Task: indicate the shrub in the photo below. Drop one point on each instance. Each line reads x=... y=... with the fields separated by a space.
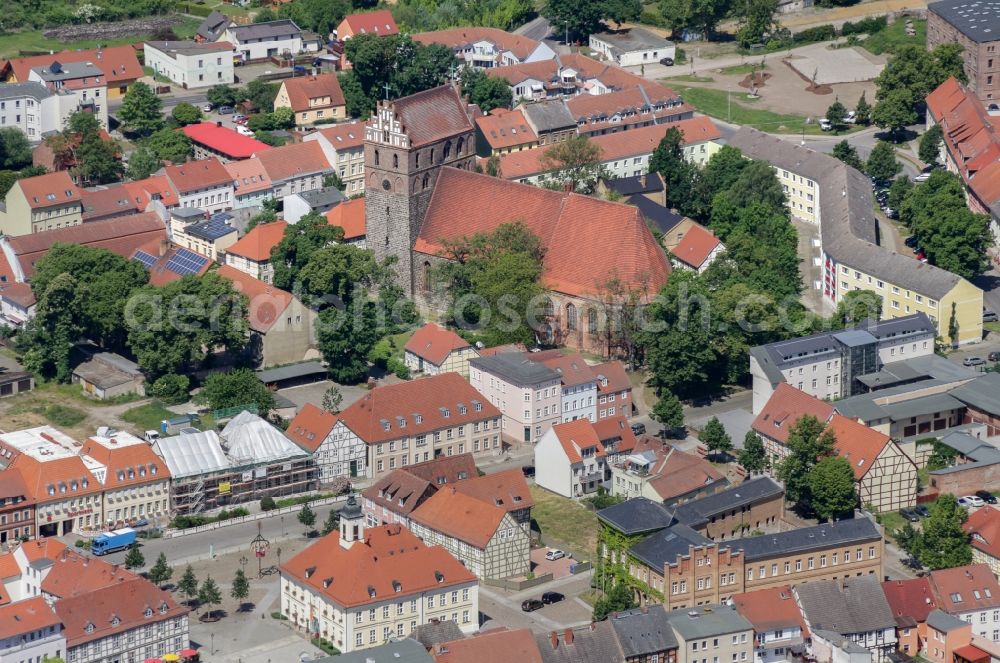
x=267 y=503
x=680 y=56
x=278 y=615
x=61 y=415
x=869 y=25
x=818 y=33
x=171 y=388
x=400 y=369
x=325 y=645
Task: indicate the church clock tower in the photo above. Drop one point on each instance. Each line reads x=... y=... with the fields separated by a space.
x=407 y=141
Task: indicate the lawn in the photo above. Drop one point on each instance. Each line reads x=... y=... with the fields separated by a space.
x=735 y=111
x=992 y=327
x=894 y=36
x=690 y=78
x=11 y=45
x=891 y=522
x=564 y=523
x=740 y=69
x=147 y=417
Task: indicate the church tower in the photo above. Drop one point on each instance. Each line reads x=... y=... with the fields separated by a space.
x=407 y=141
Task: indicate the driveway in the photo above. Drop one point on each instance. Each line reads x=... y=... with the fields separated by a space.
x=499 y=607
x=313 y=393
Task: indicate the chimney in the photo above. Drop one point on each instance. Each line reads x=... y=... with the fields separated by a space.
x=554 y=639
x=642 y=180
x=568 y=636
x=164 y=245
x=218 y=123
x=567 y=187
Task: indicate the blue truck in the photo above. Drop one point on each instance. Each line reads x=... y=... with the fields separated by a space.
x=109 y=542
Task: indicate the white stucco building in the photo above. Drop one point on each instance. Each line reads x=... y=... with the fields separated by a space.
x=191 y=64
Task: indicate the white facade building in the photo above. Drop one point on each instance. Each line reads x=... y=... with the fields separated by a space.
x=632 y=47
x=260 y=41
x=191 y=64
x=31 y=632
x=30 y=107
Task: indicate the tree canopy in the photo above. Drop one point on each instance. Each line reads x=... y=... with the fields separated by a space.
x=930 y=145
x=300 y=241
x=882 y=163
x=809 y=441
x=909 y=76
x=942 y=542
x=169 y=145
x=832 y=492
x=846 y=153
x=236 y=388
x=487 y=92
x=573 y=163
x=15 y=150
x=141 y=111
x=584 y=17
x=678 y=173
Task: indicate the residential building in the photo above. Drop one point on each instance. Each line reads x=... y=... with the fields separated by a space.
x=983 y=527
x=945 y=634
x=312 y=98
x=204 y=184
x=550 y=120
x=108 y=375
x=249 y=459
x=294 y=168
x=343 y=147
x=484 y=48
x=974 y=28
x=980 y=407
x=251 y=254
x=779 y=414
x=251 y=184
x=212 y=140
x=574 y=459
x=76 y=86
x=378 y=22
x=31 y=631
x=630 y=108
x=970 y=593
x=778 y=627
x=191 y=64
x=17 y=306
x=281 y=326
x=43 y=202
x=166 y=263
x=595 y=642
x=212 y=27
x=885 y=477
x=970 y=143
x=409 y=650
x=614 y=389
x=853 y=607
x=30 y=107
x=257 y=42
x=315 y=201
x=623 y=154
x=397 y=583
x=661 y=472
x=349 y=216
x=209 y=237
x=754 y=505
x=118 y=64
x=136 y=483
x=526 y=392
x=335 y=455
x=433 y=350
x=707 y=630
x=849 y=253
x=834 y=365
x=393 y=498
x=484 y=537
x=698 y=249
x=503 y=131
x=492 y=646
x=645 y=635
x=17 y=508
x=632 y=47
x=578 y=396
x=911 y=601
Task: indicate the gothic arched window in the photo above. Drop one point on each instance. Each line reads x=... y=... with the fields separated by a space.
x=461 y=144
x=395 y=161
x=447 y=150
x=571 y=317
x=592 y=320
x=376 y=157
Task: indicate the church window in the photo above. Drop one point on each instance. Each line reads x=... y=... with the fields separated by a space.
x=592 y=320
x=447 y=150
x=427 y=276
x=416 y=159
x=571 y=317
x=461 y=144
x=376 y=157
x=395 y=161
x=432 y=156
x=550 y=309
x=426 y=180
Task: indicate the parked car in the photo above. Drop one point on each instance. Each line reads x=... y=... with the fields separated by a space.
x=973 y=361
x=638 y=429
x=530 y=605
x=142 y=522
x=891 y=213
x=922 y=177
x=990 y=316
x=911 y=241
x=667 y=62
x=549 y=598
x=970 y=501
x=824 y=124
x=920 y=254
x=528 y=471
x=993 y=356
x=851 y=117
x=243 y=130
x=226 y=110
x=299 y=70
x=913 y=563
x=554 y=554
x=909 y=514
x=986 y=496
x=207 y=108
x=922 y=511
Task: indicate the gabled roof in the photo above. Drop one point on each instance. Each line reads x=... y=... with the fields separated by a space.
x=637 y=515
x=699 y=512
x=76 y=575
x=696 y=246
x=293 y=160
x=446 y=469
x=507 y=490
x=771 y=609
x=248 y=176
x=303 y=89
x=706 y=621
x=494 y=646
x=572 y=368
x=267 y=303
x=966 y=588
x=416 y=407
x=575 y=437
x=586 y=240
x=25 y=617
x=460 y=516
x=984 y=527
x=614 y=372
x=119 y=63
x=784 y=408
x=345 y=135
x=643 y=631
x=432 y=115
x=196 y=175
x=256 y=245
x=224 y=140
x=350 y=216
x=505 y=128
x=378 y=22
x=129 y=463
x=152 y=188
x=857 y=443
x=213 y=26
x=399 y=491
x=847 y=606
x=910 y=600
x=434 y=343
x=310 y=427
x=49 y=190
x=268 y=31
x=459 y=38
x=595 y=643
x=168 y=262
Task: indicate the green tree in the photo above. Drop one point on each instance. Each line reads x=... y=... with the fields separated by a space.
x=908 y=539
x=715 y=437
x=752 y=456
x=98 y=161
x=720 y=173
x=267 y=503
x=898 y=190
x=141 y=111
x=160 y=572
x=307 y=517
x=846 y=153
x=953 y=325
x=240 y=589
x=831 y=488
x=345 y=336
x=756 y=21
x=283 y=118
x=142 y=163
x=668 y=412
x=944 y=544
x=224 y=95
x=261 y=95
x=169 y=145
x=188 y=584
x=808 y=441
x=755 y=184
x=894 y=111
x=882 y=163
x=340 y=271
x=320 y=16
x=15 y=150
x=300 y=241
x=236 y=388
x=487 y=92
x=835 y=116
x=209 y=595
x=941 y=457
x=332 y=399
x=699 y=16
x=863 y=111
x=618 y=599
x=134 y=559
x=573 y=163
x=856 y=306
x=171 y=388
x=909 y=76
x=930 y=145
x=49 y=336
x=185 y=113
x=678 y=173
x=332 y=522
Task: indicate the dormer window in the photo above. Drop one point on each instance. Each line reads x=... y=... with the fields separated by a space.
x=115 y=621
x=327 y=582
x=397 y=586
x=121 y=475
x=462 y=409
x=385 y=424
x=309 y=571
x=89 y=628
x=439 y=576
x=371 y=591
x=52 y=489
x=152 y=469
x=163 y=608
x=445 y=412
x=418 y=419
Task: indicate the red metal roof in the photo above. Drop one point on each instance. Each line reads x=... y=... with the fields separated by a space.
x=223 y=140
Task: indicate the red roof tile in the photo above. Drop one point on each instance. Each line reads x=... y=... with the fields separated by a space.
x=616 y=376
x=379 y=22
x=49 y=190
x=108 y=203
x=370 y=571
x=587 y=240
x=195 y=175
x=572 y=368
x=27 y=616
x=457 y=38
x=434 y=343
x=460 y=516
x=267 y=303
x=676 y=473
x=74 y=574
x=696 y=246
x=500 y=349
x=576 y=436
x=494 y=646
x=857 y=443
x=541 y=70
x=504 y=128
x=966 y=588
x=156 y=187
x=346 y=135
x=248 y=176
x=785 y=407
x=119 y=63
x=984 y=527
x=913 y=598
x=257 y=244
x=303 y=89
x=399 y=491
x=446 y=469
x=771 y=609
x=162 y=252
x=294 y=160
x=349 y=215
x=428 y=397
x=507 y=489
x=432 y=115
x=137 y=463
x=224 y=140
x=310 y=427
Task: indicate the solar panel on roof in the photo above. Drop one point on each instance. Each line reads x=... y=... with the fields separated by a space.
x=186 y=262
x=147 y=260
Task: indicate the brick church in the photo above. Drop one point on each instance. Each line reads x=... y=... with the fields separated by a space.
x=421 y=190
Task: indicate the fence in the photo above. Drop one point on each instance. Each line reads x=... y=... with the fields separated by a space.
x=518 y=585
x=295 y=508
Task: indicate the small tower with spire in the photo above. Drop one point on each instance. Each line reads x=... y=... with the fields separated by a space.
x=352 y=523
